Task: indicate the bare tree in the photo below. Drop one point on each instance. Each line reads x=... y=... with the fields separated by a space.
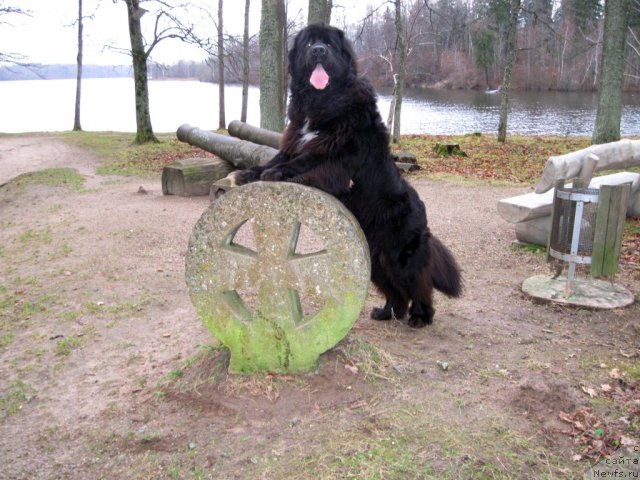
x=401 y=46
x=506 y=82
x=222 y=123
x=272 y=28
x=320 y=11
x=144 y=130
x=76 y=117
x=609 y=114
x=165 y=26
x=245 y=63
x=6 y=12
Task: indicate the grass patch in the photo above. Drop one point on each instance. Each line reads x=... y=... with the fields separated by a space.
x=519 y=160
x=53 y=177
x=65 y=346
x=413 y=443
x=372 y=361
x=119 y=310
x=12 y=400
x=530 y=248
x=63 y=251
x=6 y=339
x=121 y=156
x=30 y=236
x=17 y=308
x=208 y=366
x=632 y=227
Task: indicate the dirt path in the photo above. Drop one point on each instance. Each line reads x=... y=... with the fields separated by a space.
x=28 y=154
x=103 y=373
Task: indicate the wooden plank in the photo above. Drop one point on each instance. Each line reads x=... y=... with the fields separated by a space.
x=617 y=217
x=610 y=222
x=600 y=234
x=609 y=263
x=555 y=218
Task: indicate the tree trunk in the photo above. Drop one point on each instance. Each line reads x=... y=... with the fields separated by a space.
x=319 y=11
x=616 y=19
x=392 y=105
x=245 y=63
x=144 y=131
x=222 y=122
x=399 y=84
x=272 y=25
x=76 y=119
x=512 y=41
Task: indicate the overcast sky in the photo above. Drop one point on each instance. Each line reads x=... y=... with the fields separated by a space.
x=49 y=36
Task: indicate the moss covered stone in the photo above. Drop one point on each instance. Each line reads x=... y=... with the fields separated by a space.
x=279 y=273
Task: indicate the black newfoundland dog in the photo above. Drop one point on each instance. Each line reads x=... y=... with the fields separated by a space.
x=336 y=141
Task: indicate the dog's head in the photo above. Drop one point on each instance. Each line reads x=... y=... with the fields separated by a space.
x=321 y=57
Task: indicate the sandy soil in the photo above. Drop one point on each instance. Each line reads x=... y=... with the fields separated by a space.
x=103 y=373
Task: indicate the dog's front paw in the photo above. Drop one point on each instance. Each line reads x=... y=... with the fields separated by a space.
x=383 y=313
x=246 y=176
x=272 y=175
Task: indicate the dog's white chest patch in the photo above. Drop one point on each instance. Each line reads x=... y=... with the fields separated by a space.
x=306 y=135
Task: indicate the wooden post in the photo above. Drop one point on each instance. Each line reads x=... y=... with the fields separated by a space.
x=556 y=214
x=610 y=221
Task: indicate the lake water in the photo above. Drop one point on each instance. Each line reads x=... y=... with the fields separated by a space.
x=108 y=104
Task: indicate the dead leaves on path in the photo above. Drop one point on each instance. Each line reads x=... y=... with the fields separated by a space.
x=600 y=438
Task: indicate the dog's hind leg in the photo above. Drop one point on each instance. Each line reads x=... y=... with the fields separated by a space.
x=422 y=311
x=421 y=315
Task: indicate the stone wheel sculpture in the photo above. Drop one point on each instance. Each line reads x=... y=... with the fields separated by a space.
x=274 y=301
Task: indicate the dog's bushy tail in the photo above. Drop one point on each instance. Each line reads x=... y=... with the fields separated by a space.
x=445 y=272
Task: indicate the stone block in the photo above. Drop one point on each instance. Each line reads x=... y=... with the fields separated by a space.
x=222 y=186
x=193 y=176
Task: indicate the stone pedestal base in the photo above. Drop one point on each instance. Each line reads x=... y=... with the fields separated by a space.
x=584 y=292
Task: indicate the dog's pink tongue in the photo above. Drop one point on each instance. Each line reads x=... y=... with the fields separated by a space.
x=319 y=78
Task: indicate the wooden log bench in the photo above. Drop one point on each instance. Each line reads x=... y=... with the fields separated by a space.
x=531 y=212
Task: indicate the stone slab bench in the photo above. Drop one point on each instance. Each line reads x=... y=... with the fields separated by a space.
x=531 y=212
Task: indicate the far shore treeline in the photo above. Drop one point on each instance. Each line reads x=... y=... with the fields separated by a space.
x=52 y=72
x=452 y=45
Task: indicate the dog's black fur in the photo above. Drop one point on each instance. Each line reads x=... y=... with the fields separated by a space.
x=336 y=141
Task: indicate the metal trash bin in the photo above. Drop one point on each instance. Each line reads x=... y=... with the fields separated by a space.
x=573 y=225
x=587 y=226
